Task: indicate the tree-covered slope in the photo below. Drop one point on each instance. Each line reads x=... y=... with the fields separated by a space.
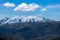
x=31 y=31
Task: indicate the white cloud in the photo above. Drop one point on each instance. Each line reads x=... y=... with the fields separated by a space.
x=9 y=4
x=43 y=9
x=26 y=7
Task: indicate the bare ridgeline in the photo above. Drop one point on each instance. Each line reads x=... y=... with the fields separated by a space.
x=30 y=31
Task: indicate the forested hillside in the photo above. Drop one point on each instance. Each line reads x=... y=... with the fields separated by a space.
x=31 y=31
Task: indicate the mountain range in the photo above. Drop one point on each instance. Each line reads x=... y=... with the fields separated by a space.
x=29 y=28
x=20 y=19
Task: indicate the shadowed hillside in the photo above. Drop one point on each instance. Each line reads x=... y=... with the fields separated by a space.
x=31 y=31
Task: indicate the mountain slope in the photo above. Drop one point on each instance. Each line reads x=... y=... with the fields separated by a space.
x=2 y=20
x=36 y=31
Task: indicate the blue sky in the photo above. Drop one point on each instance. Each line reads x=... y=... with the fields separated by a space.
x=47 y=8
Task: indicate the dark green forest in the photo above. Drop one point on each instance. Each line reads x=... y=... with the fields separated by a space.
x=30 y=31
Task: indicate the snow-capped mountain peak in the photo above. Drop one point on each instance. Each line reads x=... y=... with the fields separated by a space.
x=32 y=18
x=14 y=19
x=20 y=19
x=3 y=19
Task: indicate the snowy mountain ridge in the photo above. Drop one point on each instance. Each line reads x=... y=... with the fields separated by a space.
x=20 y=19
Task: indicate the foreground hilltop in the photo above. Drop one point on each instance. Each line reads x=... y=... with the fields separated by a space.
x=31 y=31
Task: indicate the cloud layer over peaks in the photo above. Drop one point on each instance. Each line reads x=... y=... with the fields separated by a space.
x=26 y=7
